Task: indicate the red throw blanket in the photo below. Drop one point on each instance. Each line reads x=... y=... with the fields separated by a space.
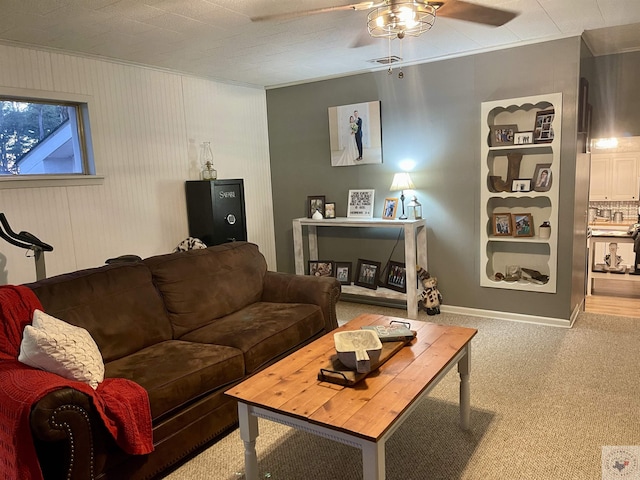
x=122 y=404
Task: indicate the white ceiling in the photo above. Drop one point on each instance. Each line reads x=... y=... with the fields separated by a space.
x=216 y=38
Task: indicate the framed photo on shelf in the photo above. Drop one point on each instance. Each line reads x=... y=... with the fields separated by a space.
x=343 y=272
x=315 y=204
x=397 y=277
x=330 y=210
x=501 y=225
x=543 y=131
x=321 y=268
x=521 y=185
x=502 y=135
x=522 y=224
x=390 y=208
x=360 y=203
x=367 y=273
x=523 y=138
x=542 y=177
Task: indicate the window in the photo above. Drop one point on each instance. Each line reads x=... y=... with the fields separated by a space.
x=43 y=137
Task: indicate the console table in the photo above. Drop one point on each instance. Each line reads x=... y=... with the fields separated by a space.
x=415 y=247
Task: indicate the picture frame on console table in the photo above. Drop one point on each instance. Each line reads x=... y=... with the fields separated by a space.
x=390 y=208
x=367 y=274
x=315 y=204
x=330 y=210
x=360 y=203
x=343 y=272
x=321 y=268
x=397 y=277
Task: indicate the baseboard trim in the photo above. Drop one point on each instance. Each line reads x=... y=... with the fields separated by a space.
x=512 y=317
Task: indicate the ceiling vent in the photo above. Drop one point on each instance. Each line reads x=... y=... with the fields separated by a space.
x=386 y=60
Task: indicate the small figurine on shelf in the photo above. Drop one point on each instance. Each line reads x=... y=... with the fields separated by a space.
x=206 y=160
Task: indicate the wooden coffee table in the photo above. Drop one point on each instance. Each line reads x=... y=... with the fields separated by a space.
x=366 y=415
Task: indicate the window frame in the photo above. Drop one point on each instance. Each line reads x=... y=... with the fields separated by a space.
x=83 y=107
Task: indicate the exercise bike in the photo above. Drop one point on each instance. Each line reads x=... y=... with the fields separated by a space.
x=27 y=241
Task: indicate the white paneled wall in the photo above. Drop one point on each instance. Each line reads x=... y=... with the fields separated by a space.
x=146 y=126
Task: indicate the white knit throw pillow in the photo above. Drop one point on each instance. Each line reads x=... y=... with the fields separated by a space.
x=56 y=346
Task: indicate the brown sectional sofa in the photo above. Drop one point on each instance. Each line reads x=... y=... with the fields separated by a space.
x=185 y=326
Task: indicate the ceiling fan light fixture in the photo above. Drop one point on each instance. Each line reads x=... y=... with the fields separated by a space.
x=395 y=20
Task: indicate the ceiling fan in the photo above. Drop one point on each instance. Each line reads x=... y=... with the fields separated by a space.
x=397 y=18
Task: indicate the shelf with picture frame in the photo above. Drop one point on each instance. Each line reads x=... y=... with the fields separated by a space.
x=521 y=140
x=415 y=252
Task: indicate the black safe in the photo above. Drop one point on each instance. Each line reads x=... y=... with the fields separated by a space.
x=215 y=210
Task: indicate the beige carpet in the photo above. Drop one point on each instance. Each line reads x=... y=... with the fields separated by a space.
x=544 y=401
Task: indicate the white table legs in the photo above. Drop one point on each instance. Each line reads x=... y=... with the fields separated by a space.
x=248 y=434
x=373 y=462
x=464 y=367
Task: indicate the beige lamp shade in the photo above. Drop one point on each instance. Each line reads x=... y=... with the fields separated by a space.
x=401 y=181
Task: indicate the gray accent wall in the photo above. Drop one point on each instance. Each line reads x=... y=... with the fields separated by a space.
x=431 y=116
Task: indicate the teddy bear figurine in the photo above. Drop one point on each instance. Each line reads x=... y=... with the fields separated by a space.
x=430 y=298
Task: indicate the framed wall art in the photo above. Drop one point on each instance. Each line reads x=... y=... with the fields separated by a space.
x=360 y=203
x=390 y=208
x=542 y=177
x=501 y=225
x=315 y=205
x=321 y=268
x=367 y=273
x=397 y=277
x=343 y=272
x=522 y=225
x=355 y=134
x=502 y=135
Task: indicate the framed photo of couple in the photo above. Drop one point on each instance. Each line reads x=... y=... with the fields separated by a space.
x=355 y=134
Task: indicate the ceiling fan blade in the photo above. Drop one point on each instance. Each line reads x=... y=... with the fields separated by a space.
x=304 y=13
x=472 y=12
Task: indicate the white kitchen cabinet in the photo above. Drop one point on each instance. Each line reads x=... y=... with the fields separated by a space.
x=614 y=177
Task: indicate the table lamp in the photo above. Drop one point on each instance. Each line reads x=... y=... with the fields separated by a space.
x=401 y=182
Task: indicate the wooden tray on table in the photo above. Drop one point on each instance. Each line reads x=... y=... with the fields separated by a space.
x=334 y=370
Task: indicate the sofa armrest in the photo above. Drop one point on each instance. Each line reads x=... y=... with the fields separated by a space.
x=64 y=416
x=290 y=288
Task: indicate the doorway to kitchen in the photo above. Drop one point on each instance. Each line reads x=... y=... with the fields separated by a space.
x=613 y=285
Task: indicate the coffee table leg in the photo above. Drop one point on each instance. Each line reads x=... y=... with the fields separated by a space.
x=248 y=434
x=464 y=367
x=373 y=466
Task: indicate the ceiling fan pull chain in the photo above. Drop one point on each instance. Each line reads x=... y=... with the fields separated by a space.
x=390 y=71
x=400 y=74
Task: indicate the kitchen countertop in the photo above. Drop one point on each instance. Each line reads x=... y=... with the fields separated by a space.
x=609 y=229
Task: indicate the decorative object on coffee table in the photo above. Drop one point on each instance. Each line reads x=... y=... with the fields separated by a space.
x=358 y=349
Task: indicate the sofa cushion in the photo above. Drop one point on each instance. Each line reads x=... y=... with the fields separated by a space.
x=200 y=285
x=175 y=373
x=61 y=348
x=118 y=305
x=263 y=331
